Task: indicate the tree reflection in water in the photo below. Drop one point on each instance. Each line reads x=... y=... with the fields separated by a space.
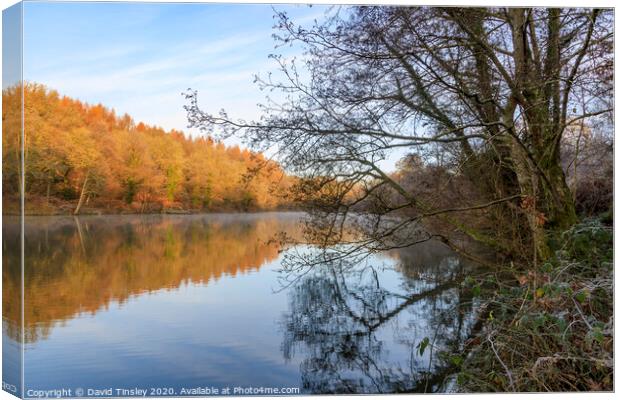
x=343 y=313
x=76 y=266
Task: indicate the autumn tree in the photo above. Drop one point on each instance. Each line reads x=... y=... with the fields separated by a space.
x=11 y=144
x=86 y=163
x=90 y=157
x=200 y=174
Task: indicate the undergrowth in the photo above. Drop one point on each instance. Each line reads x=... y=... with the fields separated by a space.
x=549 y=328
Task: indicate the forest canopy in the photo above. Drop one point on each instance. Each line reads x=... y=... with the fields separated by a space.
x=80 y=156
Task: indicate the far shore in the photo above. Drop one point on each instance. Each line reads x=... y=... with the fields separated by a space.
x=39 y=206
x=103 y=212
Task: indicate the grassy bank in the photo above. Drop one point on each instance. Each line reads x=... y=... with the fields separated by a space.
x=548 y=328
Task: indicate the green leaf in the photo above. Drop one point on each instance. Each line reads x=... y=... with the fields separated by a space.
x=423 y=345
x=580 y=297
x=456 y=360
x=597 y=334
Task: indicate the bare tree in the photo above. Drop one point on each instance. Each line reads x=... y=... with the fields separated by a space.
x=493 y=89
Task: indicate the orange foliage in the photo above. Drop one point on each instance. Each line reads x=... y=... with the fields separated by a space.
x=83 y=265
x=75 y=150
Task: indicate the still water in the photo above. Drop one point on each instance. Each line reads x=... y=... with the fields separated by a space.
x=177 y=304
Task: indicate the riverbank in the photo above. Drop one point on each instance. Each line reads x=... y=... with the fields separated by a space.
x=549 y=328
x=41 y=206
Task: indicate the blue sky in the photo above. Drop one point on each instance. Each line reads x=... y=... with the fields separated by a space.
x=139 y=57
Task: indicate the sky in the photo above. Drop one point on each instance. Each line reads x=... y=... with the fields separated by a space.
x=138 y=58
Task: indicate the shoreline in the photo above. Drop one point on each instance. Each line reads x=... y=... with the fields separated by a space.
x=37 y=207
x=165 y=213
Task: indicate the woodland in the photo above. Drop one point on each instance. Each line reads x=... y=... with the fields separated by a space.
x=81 y=158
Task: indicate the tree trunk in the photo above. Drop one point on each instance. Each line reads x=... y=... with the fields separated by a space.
x=82 y=195
x=49 y=189
x=547 y=200
x=529 y=188
x=560 y=208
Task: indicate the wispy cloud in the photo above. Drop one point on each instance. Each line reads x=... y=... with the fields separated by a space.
x=141 y=67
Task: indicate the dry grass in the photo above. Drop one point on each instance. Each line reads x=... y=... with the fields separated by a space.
x=549 y=329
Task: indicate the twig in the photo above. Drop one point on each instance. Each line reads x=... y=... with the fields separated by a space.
x=508 y=373
x=581 y=313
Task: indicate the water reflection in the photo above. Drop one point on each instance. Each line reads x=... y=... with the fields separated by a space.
x=79 y=265
x=187 y=301
x=345 y=318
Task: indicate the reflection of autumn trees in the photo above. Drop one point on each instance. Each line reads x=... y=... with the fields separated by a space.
x=340 y=317
x=81 y=265
x=78 y=155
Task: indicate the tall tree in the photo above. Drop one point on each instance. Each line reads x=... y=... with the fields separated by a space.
x=493 y=88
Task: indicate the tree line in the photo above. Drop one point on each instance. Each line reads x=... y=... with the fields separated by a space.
x=79 y=156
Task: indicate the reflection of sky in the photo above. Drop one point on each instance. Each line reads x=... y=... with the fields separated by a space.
x=221 y=333
x=228 y=332
x=232 y=330
x=11 y=359
x=139 y=57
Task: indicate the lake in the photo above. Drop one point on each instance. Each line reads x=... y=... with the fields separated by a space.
x=190 y=304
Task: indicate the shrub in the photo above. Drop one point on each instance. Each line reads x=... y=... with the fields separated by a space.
x=549 y=329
